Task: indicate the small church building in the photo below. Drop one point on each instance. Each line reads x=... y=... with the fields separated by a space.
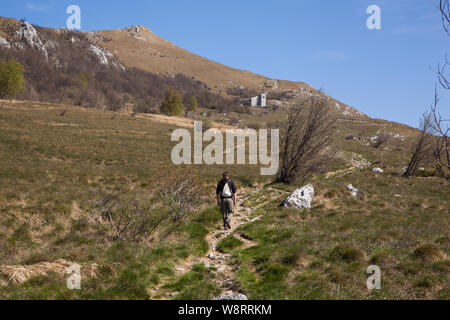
x=258 y=101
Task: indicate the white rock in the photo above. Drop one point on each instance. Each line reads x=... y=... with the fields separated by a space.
x=300 y=198
x=105 y=57
x=102 y=55
x=378 y=170
x=29 y=35
x=4 y=43
x=353 y=190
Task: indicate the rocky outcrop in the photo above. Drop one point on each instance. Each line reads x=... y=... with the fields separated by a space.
x=4 y=43
x=136 y=29
x=27 y=33
x=300 y=198
x=105 y=57
x=27 y=36
x=101 y=54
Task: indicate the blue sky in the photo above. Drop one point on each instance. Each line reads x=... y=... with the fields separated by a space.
x=383 y=73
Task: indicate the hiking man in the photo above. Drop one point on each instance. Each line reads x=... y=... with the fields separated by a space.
x=226 y=199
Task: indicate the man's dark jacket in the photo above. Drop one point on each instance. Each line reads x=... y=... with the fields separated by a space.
x=221 y=185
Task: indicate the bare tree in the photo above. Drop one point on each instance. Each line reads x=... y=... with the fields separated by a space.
x=422 y=148
x=438 y=125
x=444 y=7
x=443 y=75
x=440 y=128
x=307 y=133
x=442 y=69
x=137 y=214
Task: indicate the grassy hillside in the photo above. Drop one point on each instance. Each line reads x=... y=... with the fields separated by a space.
x=138 y=47
x=58 y=162
x=402 y=226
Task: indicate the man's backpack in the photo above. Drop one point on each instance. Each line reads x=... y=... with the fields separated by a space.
x=226 y=192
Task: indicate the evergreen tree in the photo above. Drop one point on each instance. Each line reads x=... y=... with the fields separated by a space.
x=172 y=104
x=193 y=105
x=11 y=79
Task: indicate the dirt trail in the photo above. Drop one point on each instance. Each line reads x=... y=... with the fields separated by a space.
x=180 y=122
x=225 y=274
x=356 y=162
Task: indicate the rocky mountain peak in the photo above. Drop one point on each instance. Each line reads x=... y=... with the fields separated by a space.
x=136 y=29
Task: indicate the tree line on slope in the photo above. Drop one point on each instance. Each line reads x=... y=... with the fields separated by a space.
x=73 y=75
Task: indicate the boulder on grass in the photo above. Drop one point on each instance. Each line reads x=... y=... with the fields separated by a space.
x=300 y=198
x=355 y=192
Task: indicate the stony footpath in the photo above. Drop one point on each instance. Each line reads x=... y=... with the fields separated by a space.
x=224 y=274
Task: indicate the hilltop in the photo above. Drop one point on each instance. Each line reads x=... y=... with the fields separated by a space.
x=137 y=48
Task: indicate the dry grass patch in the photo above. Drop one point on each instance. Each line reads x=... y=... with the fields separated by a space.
x=21 y=274
x=429 y=253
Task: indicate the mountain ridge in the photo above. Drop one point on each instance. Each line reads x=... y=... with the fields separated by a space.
x=138 y=47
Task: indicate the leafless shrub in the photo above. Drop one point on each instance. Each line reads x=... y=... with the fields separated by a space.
x=273 y=124
x=442 y=72
x=242 y=92
x=136 y=215
x=308 y=132
x=439 y=127
x=142 y=106
x=381 y=140
x=254 y=126
x=234 y=122
x=422 y=148
x=154 y=111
